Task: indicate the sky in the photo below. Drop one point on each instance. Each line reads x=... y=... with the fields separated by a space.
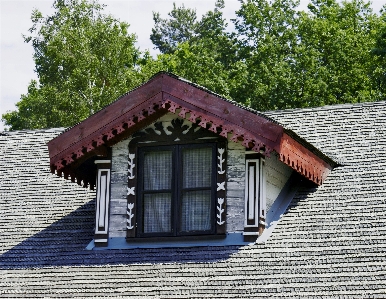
x=16 y=63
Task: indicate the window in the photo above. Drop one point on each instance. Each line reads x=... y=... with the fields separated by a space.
x=176 y=190
x=176 y=182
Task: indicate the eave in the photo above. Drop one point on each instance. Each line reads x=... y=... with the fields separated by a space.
x=167 y=93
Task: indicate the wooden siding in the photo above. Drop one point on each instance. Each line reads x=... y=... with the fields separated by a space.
x=235 y=187
x=118 y=201
x=277 y=174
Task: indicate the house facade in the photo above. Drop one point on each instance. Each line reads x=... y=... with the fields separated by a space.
x=327 y=239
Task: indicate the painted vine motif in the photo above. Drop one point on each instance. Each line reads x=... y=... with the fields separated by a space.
x=131 y=195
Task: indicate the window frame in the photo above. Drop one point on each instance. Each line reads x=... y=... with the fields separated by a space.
x=177 y=134
x=176 y=190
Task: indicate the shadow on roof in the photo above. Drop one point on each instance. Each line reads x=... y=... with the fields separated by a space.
x=63 y=243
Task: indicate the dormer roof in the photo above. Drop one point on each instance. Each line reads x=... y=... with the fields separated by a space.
x=165 y=93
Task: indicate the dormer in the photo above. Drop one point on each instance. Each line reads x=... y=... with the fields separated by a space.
x=174 y=164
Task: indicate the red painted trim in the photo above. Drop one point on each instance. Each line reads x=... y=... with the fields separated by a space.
x=195 y=97
x=223 y=126
x=303 y=160
x=163 y=93
x=102 y=132
x=93 y=125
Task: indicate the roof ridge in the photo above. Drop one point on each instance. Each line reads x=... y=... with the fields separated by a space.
x=26 y=131
x=218 y=95
x=190 y=83
x=327 y=107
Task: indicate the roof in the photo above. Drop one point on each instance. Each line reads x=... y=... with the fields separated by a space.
x=167 y=92
x=331 y=242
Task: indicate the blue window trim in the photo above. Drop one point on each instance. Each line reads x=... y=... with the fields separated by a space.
x=235 y=239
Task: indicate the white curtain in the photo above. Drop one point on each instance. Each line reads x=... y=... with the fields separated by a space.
x=196 y=204
x=157 y=213
x=157 y=207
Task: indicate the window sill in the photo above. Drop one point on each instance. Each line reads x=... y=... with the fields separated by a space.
x=175 y=239
x=228 y=239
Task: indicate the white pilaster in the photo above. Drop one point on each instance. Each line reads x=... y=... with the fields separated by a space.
x=102 y=202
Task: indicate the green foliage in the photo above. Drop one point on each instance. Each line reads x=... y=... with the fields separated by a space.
x=302 y=59
x=334 y=57
x=180 y=27
x=379 y=53
x=277 y=57
x=205 y=53
x=266 y=33
x=84 y=60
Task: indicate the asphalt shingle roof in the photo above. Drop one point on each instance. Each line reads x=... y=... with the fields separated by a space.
x=331 y=242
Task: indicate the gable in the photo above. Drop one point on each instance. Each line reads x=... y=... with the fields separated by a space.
x=168 y=93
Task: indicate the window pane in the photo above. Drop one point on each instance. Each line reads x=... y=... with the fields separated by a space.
x=197 y=167
x=157 y=170
x=157 y=213
x=195 y=210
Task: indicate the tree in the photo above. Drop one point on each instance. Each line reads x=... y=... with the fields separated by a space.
x=267 y=41
x=199 y=50
x=379 y=54
x=334 y=58
x=180 y=27
x=83 y=60
x=279 y=57
x=302 y=59
x=276 y=58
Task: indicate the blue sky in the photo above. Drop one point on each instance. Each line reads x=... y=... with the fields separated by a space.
x=16 y=64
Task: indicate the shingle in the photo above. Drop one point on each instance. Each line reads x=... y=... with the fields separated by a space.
x=331 y=242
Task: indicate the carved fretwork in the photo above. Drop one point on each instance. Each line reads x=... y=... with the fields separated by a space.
x=177 y=132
